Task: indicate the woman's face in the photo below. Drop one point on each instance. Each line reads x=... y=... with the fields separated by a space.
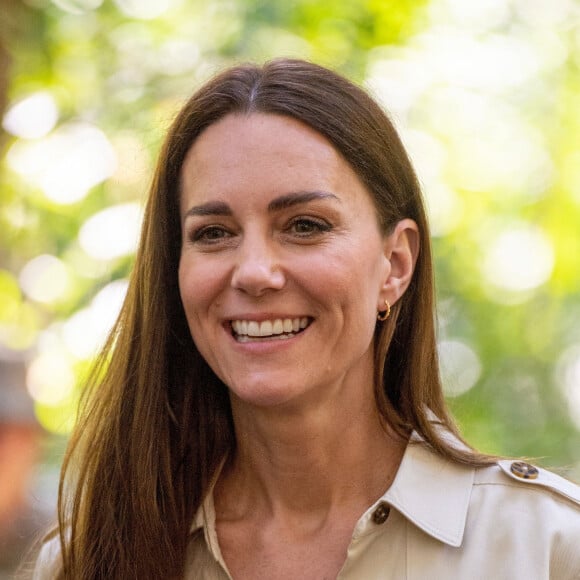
x=283 y=265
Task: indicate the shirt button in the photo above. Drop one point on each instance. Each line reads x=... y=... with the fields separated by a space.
x=381 y=513
x=524 y=470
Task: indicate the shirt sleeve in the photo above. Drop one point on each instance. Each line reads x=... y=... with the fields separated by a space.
x=565 y=561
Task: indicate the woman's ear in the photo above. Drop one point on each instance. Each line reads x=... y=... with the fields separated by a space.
x=401 y=248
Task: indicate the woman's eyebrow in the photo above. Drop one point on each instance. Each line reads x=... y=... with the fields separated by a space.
x=283 y=202
x=209 y=208
x=298 y=197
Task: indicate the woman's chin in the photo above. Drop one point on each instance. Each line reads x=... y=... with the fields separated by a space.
x=266 y=395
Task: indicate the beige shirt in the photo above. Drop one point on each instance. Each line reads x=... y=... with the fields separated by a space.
x=443 y=521
x=437 y=521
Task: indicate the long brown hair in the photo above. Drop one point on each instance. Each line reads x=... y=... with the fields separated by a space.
x=156 y=421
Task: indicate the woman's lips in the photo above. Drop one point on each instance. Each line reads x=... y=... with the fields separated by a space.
x=274 y=329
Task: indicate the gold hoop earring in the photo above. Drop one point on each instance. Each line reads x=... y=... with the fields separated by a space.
x=382 y=315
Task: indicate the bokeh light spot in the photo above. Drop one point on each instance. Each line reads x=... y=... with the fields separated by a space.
x=477 y=15
x=85 y=332
x=50 y=377
x=519 y=259
x=460 y=367
x=67 y=163
x=397 y=79
x=44 y=279
x=32 y=117
x=144 y=9
x=177 y=57
x=112 y=232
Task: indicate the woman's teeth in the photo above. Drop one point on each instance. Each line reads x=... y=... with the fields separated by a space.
x=279 y=328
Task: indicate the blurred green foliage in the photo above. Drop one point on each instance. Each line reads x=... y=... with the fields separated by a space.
x=496 y=148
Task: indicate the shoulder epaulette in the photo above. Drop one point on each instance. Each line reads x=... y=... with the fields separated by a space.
x=536 y=476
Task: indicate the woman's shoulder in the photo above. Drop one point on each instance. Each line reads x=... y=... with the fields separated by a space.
x=516 y=477
x=49 y=559
x=521 y=504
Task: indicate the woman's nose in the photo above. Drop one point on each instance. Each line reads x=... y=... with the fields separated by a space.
x=257 y=269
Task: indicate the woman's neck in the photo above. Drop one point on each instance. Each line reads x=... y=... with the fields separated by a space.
x=309 y=462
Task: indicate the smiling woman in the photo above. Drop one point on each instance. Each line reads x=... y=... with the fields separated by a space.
x=269 y=404
x=274 y=217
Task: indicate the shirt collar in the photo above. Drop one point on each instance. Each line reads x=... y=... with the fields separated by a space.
x=432 y=492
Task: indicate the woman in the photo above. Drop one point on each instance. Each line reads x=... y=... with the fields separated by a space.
x=268 y=405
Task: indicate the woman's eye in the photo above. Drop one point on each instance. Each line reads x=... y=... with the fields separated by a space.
x=210 y=234
x=308 y=226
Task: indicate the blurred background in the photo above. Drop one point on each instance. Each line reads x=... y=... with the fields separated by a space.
x=486 y=94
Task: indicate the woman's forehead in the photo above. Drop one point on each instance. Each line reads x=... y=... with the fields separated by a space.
x=259 y=157
x=240 y=132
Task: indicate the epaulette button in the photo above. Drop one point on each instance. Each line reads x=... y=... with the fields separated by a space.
x=524 y=470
